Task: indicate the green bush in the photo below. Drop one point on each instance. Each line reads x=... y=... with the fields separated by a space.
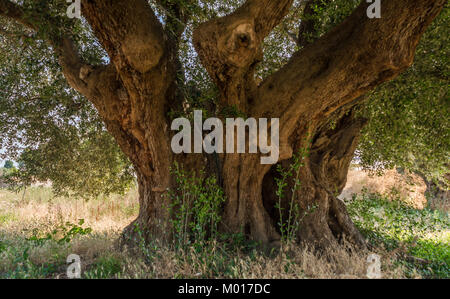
x=195 y=204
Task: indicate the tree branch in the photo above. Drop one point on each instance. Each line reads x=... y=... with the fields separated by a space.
x=139 y=96
x=130 y=91
x=129 y=31
x=229 y=47
x=66 y=50
x=352 y=59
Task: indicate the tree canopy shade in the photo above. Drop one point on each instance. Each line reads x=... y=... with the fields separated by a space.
x=127 y=68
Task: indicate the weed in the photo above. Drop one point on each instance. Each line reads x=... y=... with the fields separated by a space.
x=195 y=205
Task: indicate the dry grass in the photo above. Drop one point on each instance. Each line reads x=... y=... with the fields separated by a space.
x=408 y=186
x=39 y=213
x=38 y=206
x=298 y=263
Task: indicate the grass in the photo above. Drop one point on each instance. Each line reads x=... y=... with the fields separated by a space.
x=32 y=227
x=421 y=237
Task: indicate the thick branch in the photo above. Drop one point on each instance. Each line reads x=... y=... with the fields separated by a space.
x=129 y=31
x=144 y=61
x=67 y=52
x=229 y=47
x=356 y=56
x=98 y=83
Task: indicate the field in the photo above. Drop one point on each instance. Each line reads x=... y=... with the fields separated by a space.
x=38 y=231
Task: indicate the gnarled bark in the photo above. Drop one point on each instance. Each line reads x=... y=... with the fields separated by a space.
x=324 y=219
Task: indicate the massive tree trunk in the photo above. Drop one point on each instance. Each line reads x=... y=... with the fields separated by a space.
x=135 y=91
x=314 y=87
x=317 y=84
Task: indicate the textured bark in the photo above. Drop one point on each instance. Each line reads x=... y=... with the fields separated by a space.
x=324 y=219
x=230 y=47
x=319 y=80
x=134 y=92
x=134 y=96
x=327 y=166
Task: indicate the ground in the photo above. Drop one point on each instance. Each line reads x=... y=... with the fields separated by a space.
x=39 y=231
x=409 y=186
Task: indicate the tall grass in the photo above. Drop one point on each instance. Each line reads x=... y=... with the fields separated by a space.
x=26 y=251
